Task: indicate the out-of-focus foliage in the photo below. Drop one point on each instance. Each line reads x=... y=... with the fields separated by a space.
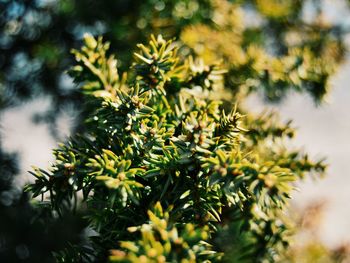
x=307 y=246
x=36 y=37
x=156 y=141
x=316 y=251
x=271 y=45
x=163 y=243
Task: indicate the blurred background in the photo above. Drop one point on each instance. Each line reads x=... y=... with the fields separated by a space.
x=40 y=106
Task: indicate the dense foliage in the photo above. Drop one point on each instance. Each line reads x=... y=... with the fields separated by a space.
x=268 y=46
x=166 y=173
